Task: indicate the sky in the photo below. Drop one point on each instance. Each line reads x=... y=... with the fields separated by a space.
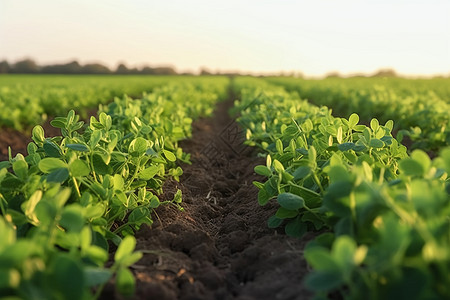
x=311 y=37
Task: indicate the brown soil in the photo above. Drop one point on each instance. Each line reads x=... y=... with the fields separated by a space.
x=19 y=140
x=220 y=247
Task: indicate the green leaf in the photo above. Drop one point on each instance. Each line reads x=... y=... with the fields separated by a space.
x=58 y=123
x=118 y=182
x=343 y=252
x=95 y=138
x=301 y=172
x=7 y=233
x=445 y=155
x=20 y=168
x=376 y=143
x=99 y=165
x=263 y=170
x=78 y=147
x=125 y=248
x=177 y=198
x=296 y=228
x=38 y=134
x=269 y=161
x=125 y=282
x=312 y=155
x=338 y=173
x=389 y=125
x=9 y=279
x=154 y=202
x=279 y=146
x=422 y=158
x=345 y=225
x=51 y=149
x=324 y=280
x=151 y=152
x=98 y=239
x=94 y=210
x=51 y=164
x=66 y=278
x=148 y=173
x=411 y=167
x=321 y=259
x=79 y=168
x=290 y=201
x=138 y=215
x=58 y=175
x=374 y=124
x=353 y=120
x=45 y=212
x=307 y=126
x=72 y=218
x=169 y=155
x=4 y=165
x=339 y=135
x=284 y=213
x=346 y=146
x=274 y=222
x=31 y=148
x=138 y=146
x=131 y=259
x=96 y=276
x=278 y=166
x=29 y=206
x=263 y=197
x=96 y=254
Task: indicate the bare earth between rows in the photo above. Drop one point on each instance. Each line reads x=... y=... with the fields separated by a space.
x=220 y=246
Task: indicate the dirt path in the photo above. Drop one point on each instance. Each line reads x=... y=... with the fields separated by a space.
x=220 y=246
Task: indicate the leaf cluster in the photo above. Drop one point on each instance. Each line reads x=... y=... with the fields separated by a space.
x=72 y=196
x=388 y=211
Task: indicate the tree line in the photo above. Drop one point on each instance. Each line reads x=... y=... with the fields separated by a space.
x=29 y=66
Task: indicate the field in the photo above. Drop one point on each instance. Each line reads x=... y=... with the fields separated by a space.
x=214 y=187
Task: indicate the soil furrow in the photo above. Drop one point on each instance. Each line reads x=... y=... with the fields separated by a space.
x=220 y=246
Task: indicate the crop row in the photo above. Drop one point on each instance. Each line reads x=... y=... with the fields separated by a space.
x=385 y=213
x=421 y=108
x=27 y=100
x=74 y=195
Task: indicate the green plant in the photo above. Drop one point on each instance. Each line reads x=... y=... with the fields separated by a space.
x=97 y=183
x=420 y=107
x=388 y=211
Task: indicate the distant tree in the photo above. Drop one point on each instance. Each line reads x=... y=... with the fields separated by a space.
x=357 y=75
x=25 y=66
x=69 y=68
x=95 y=69
x=385 y=73
x=204 y=71
x=122 y=69
x=164 y=71
x=28 y=66
x=4 y=67
x=147 y=70
x=299 y=74
x=333 y=75
x=134 y=71
x=158 y=71
x=73 y=67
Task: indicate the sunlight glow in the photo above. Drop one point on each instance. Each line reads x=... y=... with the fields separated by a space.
x=313 y=37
